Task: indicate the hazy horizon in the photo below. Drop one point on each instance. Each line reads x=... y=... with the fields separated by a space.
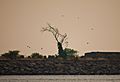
x=91 y=25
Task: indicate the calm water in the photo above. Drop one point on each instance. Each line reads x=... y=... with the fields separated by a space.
x=60 y=78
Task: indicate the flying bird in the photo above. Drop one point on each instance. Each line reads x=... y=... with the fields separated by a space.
x=62 y=15
x=87 y=43
x=28 y=46
x=92 y=28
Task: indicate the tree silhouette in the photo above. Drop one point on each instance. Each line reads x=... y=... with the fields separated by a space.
x=36 y=55
x=70 y=52
x=11 y=54
x=60 y=39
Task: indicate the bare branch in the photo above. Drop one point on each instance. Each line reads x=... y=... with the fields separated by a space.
x=63 y=37
x=66 y=43
x=55 y=33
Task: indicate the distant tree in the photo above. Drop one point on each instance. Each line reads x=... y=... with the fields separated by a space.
x=45 y=57
x=36 y=55
x=70 y=52
x=41 y=56
x=11 y=54
x=51 y=56
x=60 y=39
x=5 y=55
x=29 y=57
x=21 y=56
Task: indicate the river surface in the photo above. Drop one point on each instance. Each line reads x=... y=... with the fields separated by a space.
x=60 y=78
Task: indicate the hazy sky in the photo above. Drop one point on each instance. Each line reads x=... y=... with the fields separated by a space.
x=91 y=25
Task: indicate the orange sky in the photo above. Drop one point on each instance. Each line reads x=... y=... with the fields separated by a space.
x=91 y=25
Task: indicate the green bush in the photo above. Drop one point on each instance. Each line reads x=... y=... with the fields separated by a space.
x=36 y=55
x=70 y=52
x=11 y=54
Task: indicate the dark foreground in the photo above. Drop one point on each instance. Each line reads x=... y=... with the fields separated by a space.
x=59 y=67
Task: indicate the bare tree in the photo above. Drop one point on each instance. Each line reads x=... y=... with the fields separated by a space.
x=60 y=39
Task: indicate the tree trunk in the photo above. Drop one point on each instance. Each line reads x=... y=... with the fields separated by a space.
x=60 y=50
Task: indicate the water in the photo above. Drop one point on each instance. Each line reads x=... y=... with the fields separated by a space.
x=60 y=78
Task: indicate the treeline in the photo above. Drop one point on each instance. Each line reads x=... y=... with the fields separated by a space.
x=71 y=55
x=15 y=54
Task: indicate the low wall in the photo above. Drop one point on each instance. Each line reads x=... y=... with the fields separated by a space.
x=60 y=78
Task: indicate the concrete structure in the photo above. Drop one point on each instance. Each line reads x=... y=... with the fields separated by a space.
x=107 y=55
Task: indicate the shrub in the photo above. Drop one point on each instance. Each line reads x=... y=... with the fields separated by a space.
x=11 y=54
x=36 y=55
x=70 y=52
